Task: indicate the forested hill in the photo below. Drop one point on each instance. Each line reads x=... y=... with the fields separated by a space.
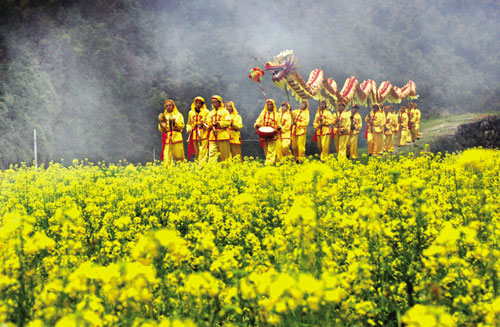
x=91 y=76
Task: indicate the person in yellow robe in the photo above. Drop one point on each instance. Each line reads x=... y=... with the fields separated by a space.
x=342 y=128
x=395 y=126
x=269 y=117
x=322 y=123
x=234 y=130
x=417 y=115
x=197 y=129
x=285 y=120
x=388 y=129
x=369 y=129
x=378 y=122
x=218 y=120
x=171 y=124
x=300 y=121
x=403 y=126
x=356 y=125
x=335 y=130
x=413 y=116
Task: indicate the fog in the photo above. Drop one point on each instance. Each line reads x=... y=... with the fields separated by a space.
x=109 y=68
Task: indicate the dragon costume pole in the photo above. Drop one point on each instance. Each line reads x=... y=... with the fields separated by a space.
x=262 y=89
x=288 y=97
x=256 y=75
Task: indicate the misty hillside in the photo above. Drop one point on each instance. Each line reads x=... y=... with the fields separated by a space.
x=91 y=76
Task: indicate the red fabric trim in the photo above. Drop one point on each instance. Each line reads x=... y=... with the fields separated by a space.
x=208 y=137
x=163 y=142
x=350 y=85
x=191 y=146
x=217 y=140
x=314 y=78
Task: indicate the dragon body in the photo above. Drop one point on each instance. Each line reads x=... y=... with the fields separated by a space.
x=318 y=87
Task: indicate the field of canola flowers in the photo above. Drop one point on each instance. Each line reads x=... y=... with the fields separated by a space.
x=381 y=242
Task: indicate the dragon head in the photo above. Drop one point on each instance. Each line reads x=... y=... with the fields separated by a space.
x=284 y=63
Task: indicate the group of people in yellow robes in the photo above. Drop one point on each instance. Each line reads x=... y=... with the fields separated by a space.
x=212 y=134
x=215 y=133
x=385 y=128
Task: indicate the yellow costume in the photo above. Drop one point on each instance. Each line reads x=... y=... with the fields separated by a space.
x=417 y=126
x=413 y=123
x=403 y=126
x=369 y=126
x=395 y=128
x=234 y=132
x=218 y=120
x=285 y=120
x=389 y=131
x=378 y=132
x=197 y=129
x=171 y=125
x=341 y=130
x=417 y=120
x=322 y=122
x=299 y=132
x=356 y=125
x=270 y=119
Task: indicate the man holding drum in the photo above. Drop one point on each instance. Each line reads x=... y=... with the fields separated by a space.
x=268 y=126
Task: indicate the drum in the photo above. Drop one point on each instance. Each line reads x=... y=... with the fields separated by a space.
x=266 y=132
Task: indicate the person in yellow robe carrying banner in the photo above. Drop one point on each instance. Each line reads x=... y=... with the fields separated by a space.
x=268 y=127
x=171 y=124
x=197 y=129
x=300 y=121
x=234 y=130
x=218 y=121
x=322 y=123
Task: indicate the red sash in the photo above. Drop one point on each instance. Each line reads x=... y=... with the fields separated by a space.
x=164 y=137
x=191 y=145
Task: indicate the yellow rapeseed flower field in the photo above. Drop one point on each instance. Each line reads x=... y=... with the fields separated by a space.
x=386 y=241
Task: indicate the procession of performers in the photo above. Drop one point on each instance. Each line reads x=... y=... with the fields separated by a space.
x=215 y=134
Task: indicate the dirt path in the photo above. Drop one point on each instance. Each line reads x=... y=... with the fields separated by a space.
x=435 y=128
